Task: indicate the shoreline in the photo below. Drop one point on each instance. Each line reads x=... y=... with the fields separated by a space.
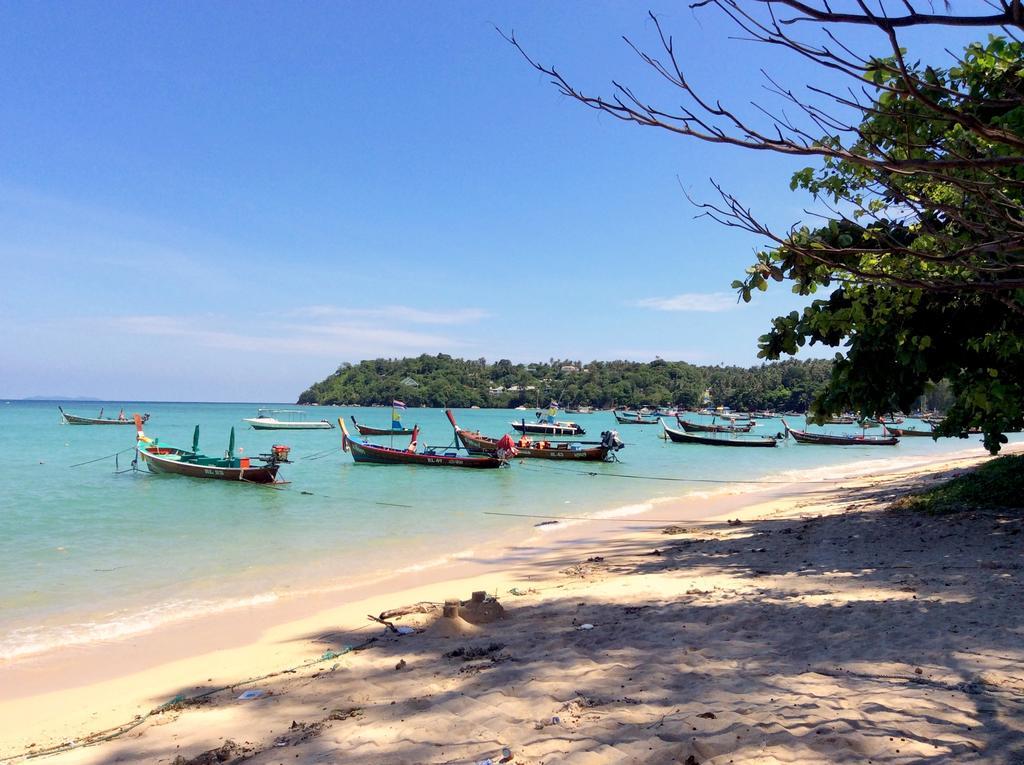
x=57 y=693
x=142 y=616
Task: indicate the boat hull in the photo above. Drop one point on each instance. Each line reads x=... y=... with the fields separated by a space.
x=803 y=437
x=166 y=464
x=263 y=424
x=383 y=455
x=627 y=420
x=366 y=430
x=474 y=442
x=681 y=437
x=909 y=433
x=548 y=429
x=74 y=419
x=696 y=427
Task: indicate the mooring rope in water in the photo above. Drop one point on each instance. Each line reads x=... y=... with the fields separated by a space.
x=321 y=456
x=673 y=478
x=355 y=499
x=99 y=459
x=109 y=734
x=318 y=455
x=273 y=485
x=134 y=469
x=307 y=493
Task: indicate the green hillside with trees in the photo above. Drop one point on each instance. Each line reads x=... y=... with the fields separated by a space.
x=445 y=381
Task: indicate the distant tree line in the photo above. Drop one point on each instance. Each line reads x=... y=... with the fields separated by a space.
x=445 y=381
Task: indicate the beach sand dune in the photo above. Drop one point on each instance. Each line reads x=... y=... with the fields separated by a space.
x=820 y=629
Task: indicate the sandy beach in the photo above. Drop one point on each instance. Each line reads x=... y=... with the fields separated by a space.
x=801 y=623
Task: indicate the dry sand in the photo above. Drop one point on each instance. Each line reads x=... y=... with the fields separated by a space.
x=819 y=628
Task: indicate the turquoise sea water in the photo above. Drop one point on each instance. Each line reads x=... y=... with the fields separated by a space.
x=86 y=554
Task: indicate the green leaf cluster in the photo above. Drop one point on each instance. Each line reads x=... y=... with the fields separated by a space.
x=912 y=273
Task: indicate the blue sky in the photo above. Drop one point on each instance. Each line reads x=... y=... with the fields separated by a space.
x=223 y=201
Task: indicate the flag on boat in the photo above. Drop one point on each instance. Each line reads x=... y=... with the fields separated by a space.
x=552 y=411
x=396 y=404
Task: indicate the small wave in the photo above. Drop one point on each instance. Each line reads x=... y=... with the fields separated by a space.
x=442 y=560
x=860 y=468
x=26 y=641
x=647 y=505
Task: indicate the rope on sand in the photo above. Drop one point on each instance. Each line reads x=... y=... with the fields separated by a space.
x=109 y=734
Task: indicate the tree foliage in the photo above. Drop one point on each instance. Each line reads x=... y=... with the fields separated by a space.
x=920 y=249
x=445 y=381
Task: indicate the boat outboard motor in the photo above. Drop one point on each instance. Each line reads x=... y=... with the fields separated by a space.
x=610 y=440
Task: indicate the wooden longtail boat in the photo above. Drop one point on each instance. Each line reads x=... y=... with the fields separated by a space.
x=363 y=451
x=696 y=427
x=74 y=419
x=366 y=430
x=935 y=422
x=192 y=463
x=587 y=451
x=681 y=437
x=629 y=418
x=268 y=419
x=549 y=428
x=803 y=437
x=910 y=433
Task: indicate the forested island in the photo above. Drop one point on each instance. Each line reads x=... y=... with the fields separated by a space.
x=442 y=380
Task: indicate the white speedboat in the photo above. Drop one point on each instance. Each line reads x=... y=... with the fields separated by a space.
x=542 y=428
x=285 y=419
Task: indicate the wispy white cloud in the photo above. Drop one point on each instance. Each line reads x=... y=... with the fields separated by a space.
x=396 y=313
x=332 y=339
x=706 y=302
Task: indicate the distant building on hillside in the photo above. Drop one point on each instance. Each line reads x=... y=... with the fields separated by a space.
x=570 y=368
x=408 y=382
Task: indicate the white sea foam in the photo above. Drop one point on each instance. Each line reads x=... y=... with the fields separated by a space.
x=867 y=467
x=831 y=474
x=26 y=641
x=437 y=562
